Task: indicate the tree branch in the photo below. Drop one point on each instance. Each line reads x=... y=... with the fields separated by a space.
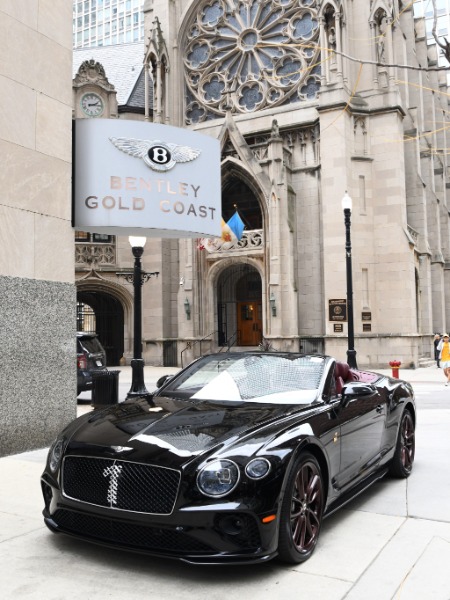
x=445 y=46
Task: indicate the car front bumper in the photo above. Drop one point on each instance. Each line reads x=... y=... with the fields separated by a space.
x=227 y=534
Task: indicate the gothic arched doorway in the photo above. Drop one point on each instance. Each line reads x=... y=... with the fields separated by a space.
x=239 y=306
x=109 y=322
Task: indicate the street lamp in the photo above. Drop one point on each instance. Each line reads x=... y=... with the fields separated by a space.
x=351 y=352
x=137 y=278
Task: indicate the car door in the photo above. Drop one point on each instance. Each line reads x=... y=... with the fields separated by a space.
x=362 y=418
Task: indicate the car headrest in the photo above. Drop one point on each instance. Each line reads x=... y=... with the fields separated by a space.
x=342 y=370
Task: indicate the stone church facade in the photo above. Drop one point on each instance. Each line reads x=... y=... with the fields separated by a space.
x=309 y=99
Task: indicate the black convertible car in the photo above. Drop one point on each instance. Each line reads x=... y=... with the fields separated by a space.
x=236 y=459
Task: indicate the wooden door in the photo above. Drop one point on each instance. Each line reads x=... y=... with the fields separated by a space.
x=249 y=320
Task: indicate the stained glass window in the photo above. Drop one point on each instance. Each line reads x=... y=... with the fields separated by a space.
x=247 y=55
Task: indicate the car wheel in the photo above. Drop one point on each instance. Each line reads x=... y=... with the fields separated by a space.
x=301 y=511
x=403 y=460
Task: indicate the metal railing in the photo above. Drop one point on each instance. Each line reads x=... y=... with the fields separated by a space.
x=230 y=342
x=191 y=345
x=312 y=345
x=251 y=240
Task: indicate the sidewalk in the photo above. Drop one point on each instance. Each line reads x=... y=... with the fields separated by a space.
x=393 y=542
x=422 y=375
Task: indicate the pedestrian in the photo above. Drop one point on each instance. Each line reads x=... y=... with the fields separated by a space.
x=444 y=356
x=437 y=339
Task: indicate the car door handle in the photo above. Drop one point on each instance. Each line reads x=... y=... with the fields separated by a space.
x=380 y=408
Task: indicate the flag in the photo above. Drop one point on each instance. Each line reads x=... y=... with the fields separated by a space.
x=232 y=232
x=236 y=225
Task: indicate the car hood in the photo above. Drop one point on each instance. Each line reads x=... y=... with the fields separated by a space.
x=173 y=432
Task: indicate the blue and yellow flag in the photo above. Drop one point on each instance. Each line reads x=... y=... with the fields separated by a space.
x=232 y=232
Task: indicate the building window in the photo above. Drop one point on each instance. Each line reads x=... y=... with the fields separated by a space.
x=94 y=238
x=258 y=62
x=85 y=318
x=365 y=288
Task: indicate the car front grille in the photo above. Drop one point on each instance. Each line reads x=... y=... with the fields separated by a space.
x=128 y=534
x=120 y=485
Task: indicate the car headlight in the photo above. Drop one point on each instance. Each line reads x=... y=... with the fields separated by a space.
x=55 y=454
x=257 y=468
x=218 y=478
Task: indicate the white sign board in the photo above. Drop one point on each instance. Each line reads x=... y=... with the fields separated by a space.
x=138 y=178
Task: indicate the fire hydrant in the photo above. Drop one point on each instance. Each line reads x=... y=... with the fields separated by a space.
x=395 y=365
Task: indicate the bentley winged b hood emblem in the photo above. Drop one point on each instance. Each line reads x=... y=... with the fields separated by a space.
x=159 y=156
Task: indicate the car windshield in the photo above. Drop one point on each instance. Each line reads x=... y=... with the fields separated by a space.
x=91 y=345
x=253 y=378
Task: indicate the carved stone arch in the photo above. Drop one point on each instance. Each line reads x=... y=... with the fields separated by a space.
x=380 y=5
x=222 y=265
x=333 y=6
x=239 y=269
x=115 y=289
x=113 y=304
x=381 y=32
x=330 y=5
x=331 y=18
x=233 y=169
x=234 y=145
x=381 y=23
x=110 y=287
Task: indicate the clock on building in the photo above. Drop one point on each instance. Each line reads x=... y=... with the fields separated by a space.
x=92 y=104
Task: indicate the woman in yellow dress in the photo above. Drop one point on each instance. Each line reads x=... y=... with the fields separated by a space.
x=444 y=356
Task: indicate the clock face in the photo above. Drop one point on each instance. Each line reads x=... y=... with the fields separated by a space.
x=92 y=105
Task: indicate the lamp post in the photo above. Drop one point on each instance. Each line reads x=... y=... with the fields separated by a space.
x=351 y=352
x=137 y=278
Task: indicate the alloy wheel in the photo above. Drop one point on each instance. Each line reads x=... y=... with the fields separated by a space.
x=306 y=507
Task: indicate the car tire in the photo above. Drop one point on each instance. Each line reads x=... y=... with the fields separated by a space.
x=403 y=460
x=301 y=510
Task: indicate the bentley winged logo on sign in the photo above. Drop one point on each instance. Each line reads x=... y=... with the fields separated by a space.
x=159 y=156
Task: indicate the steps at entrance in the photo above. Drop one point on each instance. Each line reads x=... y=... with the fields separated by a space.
x=242 y=349
x=426 y=361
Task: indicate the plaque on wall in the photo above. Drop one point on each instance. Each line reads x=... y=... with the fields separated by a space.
x=367 y=327
x=366 y=316
x=338 y=328
x=337 y=310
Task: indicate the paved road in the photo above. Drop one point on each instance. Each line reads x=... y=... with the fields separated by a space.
x=432 y=395
x=393 y=542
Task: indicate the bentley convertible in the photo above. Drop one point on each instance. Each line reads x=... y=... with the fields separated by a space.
x=235 y=459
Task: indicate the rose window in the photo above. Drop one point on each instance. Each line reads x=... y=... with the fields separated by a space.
x=246 y=55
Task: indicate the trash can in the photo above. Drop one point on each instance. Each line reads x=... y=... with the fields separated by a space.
x=105 y=388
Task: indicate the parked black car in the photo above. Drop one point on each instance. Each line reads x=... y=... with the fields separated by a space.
x=236 y=459
x=90 y=357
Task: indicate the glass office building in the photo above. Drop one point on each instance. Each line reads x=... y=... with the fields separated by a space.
x=424 y=8
x=107 y=22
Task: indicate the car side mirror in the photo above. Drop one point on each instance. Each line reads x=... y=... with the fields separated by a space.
x=162 y=380
x=356 y=390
